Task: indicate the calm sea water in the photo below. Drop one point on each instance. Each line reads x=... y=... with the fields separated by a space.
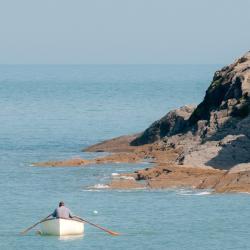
x=52 y=112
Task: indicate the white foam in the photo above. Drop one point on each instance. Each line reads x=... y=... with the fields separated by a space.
x=122 y=177
x=203 y=193
x=189 y=192
x=184 y=192
x=91 y=190
x=101 y=186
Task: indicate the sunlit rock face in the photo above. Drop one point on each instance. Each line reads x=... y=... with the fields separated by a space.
x=215 y=133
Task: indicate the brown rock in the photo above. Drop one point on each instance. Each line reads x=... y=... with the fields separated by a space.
x=172 y=123
x=113 y=158
x=125 y=184
x=63 y=163
x=119 y=144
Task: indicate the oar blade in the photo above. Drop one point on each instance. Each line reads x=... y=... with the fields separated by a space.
x=113 y=233
x=102 y=228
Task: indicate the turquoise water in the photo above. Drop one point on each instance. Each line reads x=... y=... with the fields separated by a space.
x=52 y=112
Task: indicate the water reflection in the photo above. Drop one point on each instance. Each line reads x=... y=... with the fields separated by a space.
x=71 y=237
x=63 y=237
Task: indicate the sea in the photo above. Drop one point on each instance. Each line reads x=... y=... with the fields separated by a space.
x=52 y=112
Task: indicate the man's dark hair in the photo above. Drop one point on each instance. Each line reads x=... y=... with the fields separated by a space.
x=61 y=203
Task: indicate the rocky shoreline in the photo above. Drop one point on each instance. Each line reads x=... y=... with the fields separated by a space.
x=164 y=174
x=203 y=147
x=167 y=174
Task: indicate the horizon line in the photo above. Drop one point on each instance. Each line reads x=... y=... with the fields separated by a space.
x=105 y=64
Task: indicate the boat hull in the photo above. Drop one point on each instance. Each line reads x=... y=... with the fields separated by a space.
x=62 y=227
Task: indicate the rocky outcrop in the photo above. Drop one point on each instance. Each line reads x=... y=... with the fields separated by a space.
x=228 y=94
x=172 y=176
x=227 y=102
x=113 y=158
x=203 y=147
x=172 y=123
x=217 y=132
x=118 y=144
x=190 y=144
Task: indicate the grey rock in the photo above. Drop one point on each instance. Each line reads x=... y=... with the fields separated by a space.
x=217 y=132
x=172 y=123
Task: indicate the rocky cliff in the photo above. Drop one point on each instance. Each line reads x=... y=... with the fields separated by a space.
x=217 y=132
x=188 y=143
x=172 y=123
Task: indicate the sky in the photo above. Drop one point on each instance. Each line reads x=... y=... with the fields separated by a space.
x=123 y=31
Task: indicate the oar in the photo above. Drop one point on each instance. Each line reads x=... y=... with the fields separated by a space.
x=102 y=228
x=29 y=228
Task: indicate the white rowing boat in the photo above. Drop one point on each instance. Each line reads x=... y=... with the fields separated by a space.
x=61 y=227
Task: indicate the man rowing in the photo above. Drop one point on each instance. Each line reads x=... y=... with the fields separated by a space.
x=53 y=228
x=62 y=212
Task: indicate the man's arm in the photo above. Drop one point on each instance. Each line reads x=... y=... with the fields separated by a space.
x=54 y=214
x=71 y=215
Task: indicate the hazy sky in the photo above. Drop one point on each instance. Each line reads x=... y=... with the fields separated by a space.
x=123 y=31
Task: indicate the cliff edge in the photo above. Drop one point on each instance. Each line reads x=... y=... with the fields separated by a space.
x=216 y=133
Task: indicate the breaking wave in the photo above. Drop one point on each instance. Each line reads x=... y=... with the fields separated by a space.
x=191 y=192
